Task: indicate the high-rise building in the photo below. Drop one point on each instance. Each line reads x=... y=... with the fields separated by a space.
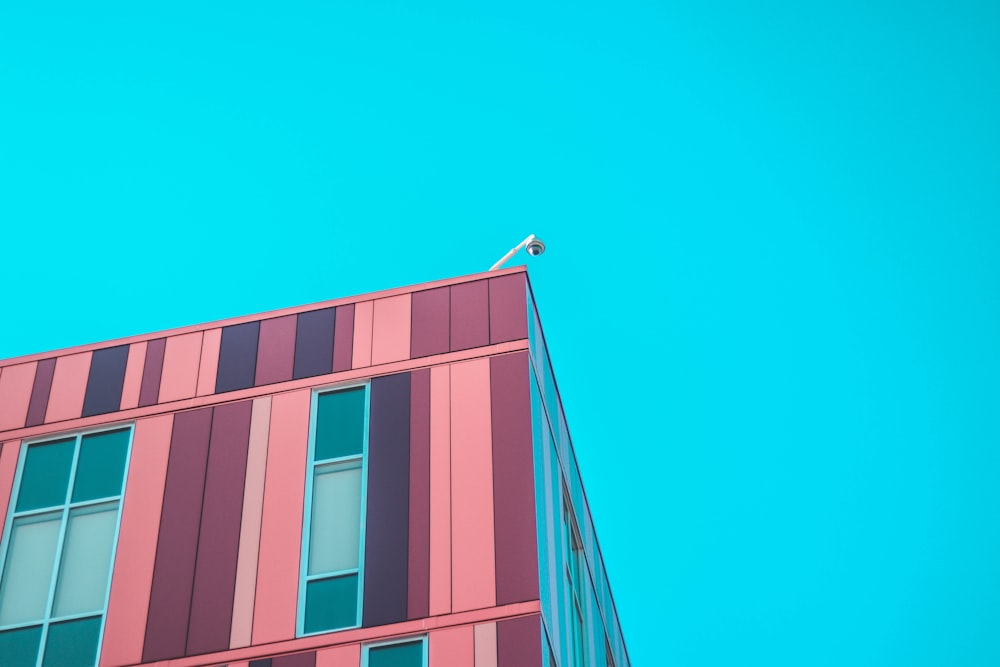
x=383 y=480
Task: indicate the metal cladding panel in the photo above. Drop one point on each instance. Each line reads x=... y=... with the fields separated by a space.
x=343 y=338
x=470 y=315
x=149 y=392
x=275 y=350
x=440 y=491
x=452 y=647
x=431 y=326
x=386 y=528
x=9 y=452
x=362 y=344
x=307 y=659
x=391 y=329
x=508 y=308
x=132 y=384
x=486 y=645
x=237 y=357
x=208 y=367
x=420 y=494
x=176 y=551
x=314 y=343
x=339 y=656
x=519 y=642
x=69 y=384
x=105 y=381
x=181 y=358
x=15 y=394
x=40 y=392
x=219 y=538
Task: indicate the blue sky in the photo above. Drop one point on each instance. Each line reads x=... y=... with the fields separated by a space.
x=771 y=289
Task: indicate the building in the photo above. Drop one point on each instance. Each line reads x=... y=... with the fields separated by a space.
x=384 y=480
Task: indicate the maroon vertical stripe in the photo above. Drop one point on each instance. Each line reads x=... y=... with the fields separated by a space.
x=418 y=578
x=519 y=642
x=275 y=350
x=513 y=480
x=508 y=308
x=149 y=390
x=470 y=315
x=177 y=546
x=295 y=660
x=40 y=392
x=219 y=541
x=343 y=338
x=429 y=331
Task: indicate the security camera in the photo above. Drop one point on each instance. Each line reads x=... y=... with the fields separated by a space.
x=532 y=244
x=535 y=247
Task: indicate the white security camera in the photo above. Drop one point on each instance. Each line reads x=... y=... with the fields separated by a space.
x=532 y=244
x=535 y=247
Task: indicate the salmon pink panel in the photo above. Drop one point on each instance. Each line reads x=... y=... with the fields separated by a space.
x=470 y=315
x=362 y=355
x=339 y=656
x=15 y=394
x=149 y=391
x=105 y=381
x=472 y=548
x=40 y=392
x=132 y=577
x=8 y=468
x=440 y=492
x=276 y=599
x=69 y=384
x=180 y=367
x=486 y=645
x=209 y=365
x=431 y=322
x=519 y=642
x=452 y=647
x=391 y=329
x=253 y=501
x=133 y=376
x=314 y=343
x=343 y=338
x=508 y=308
x=420 y=493
x=276 y=350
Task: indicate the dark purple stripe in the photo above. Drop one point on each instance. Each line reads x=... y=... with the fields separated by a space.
x=429 y=331
x=343 y=338
x=519 y=642
x=237 y=357
x=513 y=480
x=40 y=392
x=386 y=530
x=219 y=541
x=314 y=343
x=104 y=383
x=266 y=662
x=149 y=390
x=296 y=660
x=177 y=546
x=275 y=350
x=508 y=308
x=470 y=315
x=418 y=577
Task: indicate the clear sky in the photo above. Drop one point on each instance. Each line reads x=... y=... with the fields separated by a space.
x=771 y=289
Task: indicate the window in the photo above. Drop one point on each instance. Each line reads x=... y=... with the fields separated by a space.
x=58 y=549
x=575 y=571
x=405 y=653
x=333 y=553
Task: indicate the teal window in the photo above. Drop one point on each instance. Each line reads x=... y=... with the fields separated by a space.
x=405 y=653
x=333 y=552
x=58 y=548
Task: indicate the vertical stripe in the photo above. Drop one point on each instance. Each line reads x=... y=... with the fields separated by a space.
x=314 y=343
x=9 y=452
x=508 y=308
x=209 y=365
x=276 y=599
x=237 y=357
x=132 y=577
x=180 y=367
x=440 y=495
x=15 y=394
x=276 y=350
x=253 y=502
x=132 y=384
x=69 y=384
x=339 y=656
x=519 y=642
x=219 y=538
x=105 y=381
x=391 y=329
x=452 y=647
x=420 y=494
x=513 y=478
x=40 y=392
x=431 y=322
x=470 y=315
x=362 y=354
x=473 y=567
x=149 y=392
x=486 y=645
x=343 y=338
x=176 y=551
x=266 y=662
x=553 y=517
x=386 y=530
x=295 y=660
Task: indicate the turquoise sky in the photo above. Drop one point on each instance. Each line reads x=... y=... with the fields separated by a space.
x=771 y=290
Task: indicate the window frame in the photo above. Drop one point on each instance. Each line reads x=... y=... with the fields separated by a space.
x=575 y=566
x=66 y=510
x=424 y=646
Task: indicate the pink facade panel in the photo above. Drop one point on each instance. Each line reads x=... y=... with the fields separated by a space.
x=473 y=553
x=15 y=394
x=418 y=563
x=452 y=647
x=69 y=385
x=508 y=308
x=362 y=353
x=40 y=392
x=276 y=350
x=391 y=329
x=125 y=624
x=470 y=315
x=431 y=322
x=440 y=493
x=133 y=375
x=486 y=645
x=8 y=468
x=208 y=367
x=343 y=338
x=276 y=597
x=180 y=367
x=339 y=656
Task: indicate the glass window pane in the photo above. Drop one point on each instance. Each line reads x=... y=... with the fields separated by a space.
x=28 y=571
x=72 y=643
x=336 y=521
x=45 y=475
x=410 y=654
x=101 y=467
x=19 y=648
x=340 y=423
x=83 y=573
x=332 y=603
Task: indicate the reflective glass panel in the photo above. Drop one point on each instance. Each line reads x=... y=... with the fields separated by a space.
x=336 y=520
x=28 y=570
x=331 y=603
x=19 y=648
x=340 y=423
x=101 y=466
x=83 y=572
x=72 y=643
x=45 y=475
x=410 y=654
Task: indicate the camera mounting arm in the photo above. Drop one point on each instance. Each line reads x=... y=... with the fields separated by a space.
x=533 y=244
